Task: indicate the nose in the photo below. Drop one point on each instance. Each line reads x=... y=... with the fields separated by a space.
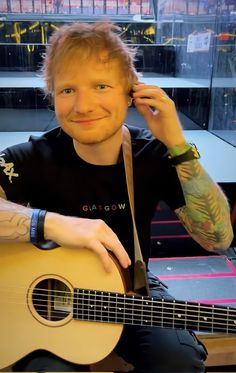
x=83 y=102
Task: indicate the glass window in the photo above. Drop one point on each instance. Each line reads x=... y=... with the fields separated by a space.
x=186 y=47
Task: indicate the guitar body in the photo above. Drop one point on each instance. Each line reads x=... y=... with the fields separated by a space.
x=28 y=321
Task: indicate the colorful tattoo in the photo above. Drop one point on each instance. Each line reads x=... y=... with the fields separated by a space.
x=206 y=215
x=179 y=149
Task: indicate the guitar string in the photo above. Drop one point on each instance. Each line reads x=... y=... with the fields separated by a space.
x=106 y=294
x=168 y=322
x=122 y=298
x=196 y=324
x=98 y=313
x=153 y=306
x=147 y=313
x=195 y=308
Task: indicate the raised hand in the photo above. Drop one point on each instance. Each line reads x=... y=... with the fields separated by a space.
x=159 y=112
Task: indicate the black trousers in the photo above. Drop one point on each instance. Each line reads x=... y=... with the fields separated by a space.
x=148 y=349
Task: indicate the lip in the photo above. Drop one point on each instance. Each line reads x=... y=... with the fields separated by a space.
x=86 y=121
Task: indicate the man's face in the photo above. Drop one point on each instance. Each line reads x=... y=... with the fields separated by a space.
x=90 y=99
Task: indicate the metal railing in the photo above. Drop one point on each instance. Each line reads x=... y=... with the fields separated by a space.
x=83 y=7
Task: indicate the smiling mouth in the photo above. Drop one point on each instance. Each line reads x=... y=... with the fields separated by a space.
x=86 y=121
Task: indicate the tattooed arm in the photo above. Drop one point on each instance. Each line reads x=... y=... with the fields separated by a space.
x=74 y=232
x=206 y=215
x=14 y=220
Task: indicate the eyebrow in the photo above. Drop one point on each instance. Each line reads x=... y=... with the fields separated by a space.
x=70 y=83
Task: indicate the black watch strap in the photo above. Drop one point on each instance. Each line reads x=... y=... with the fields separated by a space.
x=190 y=154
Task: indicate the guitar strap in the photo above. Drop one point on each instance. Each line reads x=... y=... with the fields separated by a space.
x=140 y=272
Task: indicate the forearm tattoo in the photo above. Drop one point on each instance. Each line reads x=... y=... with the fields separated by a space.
x=206 y=213
x=14 y=220
x=14 y=226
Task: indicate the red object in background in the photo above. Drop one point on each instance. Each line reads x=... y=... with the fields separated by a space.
x=224 y=36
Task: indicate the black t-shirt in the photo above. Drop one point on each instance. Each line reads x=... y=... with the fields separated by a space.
x=47 y=173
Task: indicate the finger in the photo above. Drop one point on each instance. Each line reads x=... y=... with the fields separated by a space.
x=120 y=254
x=146 y=111
x=149 y=92
x=113 y=244
x=144 y=90
x=138 y=83
x=139 y=86
x=150 y=106
x=155 y=100
x=102 y=252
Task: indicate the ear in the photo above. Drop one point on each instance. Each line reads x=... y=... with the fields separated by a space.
x=130 y=98
x=130 y=102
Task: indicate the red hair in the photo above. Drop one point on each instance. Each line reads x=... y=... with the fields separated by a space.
x=85 y=40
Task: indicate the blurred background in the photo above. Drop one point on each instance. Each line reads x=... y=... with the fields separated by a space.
x=188 y=47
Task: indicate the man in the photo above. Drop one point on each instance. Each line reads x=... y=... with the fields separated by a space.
x=75 y=176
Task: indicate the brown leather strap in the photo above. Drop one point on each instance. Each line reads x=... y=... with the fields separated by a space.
x=140 y=273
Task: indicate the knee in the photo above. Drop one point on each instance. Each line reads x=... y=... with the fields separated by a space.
x=179 y=352
x=185 y=353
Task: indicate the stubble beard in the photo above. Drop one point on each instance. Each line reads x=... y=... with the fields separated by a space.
x=86 y=140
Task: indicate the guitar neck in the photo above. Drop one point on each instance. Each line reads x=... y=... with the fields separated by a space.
x=109 y=307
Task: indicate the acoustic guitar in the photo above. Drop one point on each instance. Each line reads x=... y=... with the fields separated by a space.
x=63 y=301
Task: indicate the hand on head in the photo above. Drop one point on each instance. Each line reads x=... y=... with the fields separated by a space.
x=159 y=112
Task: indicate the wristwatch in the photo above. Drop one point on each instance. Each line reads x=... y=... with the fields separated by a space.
x=191 y=153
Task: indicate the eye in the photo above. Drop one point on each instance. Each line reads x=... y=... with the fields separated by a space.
x=67 y=91
x=101 y=87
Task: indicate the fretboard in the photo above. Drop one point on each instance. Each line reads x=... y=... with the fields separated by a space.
x=109 y=307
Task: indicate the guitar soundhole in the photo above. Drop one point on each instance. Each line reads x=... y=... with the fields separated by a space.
x=52 y=299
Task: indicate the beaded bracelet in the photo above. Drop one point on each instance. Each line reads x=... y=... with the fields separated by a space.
x=37 y=231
